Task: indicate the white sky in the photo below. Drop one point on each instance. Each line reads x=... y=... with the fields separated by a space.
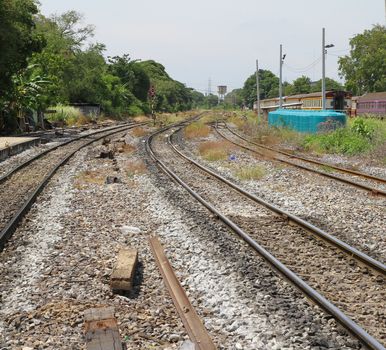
x=197 y=40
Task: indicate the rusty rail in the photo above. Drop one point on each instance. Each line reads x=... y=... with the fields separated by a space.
x=307 y=290
x=192 y=322
x=309 y=160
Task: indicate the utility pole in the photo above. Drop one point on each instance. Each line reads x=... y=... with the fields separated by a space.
x=282 y=57
x=324 y=51
x=258 y=91
x=323 y=69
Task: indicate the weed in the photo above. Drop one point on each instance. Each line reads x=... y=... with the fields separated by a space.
x=253 y=172
x=214 y=150
x=197 y=129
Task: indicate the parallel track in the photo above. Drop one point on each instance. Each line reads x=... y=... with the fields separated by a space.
x=238 y=226
x=373 y=190
x=31 y=177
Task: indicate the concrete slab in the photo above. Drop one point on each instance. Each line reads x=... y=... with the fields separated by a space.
x=10 y=146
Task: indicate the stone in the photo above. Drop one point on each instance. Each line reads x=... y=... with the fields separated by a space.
x=187 y=345
x=112 y=180
x=130 y=229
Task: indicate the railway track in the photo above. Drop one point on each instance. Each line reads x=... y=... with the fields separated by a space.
x=283 y=158
x=352 y=292
x=20 y=187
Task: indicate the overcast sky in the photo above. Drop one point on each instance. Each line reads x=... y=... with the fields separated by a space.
x=202 y=39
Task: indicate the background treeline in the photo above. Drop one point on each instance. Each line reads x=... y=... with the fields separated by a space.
x=364 y=70
x=46 y=62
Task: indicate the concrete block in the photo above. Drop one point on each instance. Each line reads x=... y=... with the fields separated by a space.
x=124 y=270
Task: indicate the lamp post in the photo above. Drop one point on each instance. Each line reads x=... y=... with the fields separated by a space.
x=324 y=51
x=282 y=57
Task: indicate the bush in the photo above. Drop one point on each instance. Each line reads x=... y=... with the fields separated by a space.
x=68 y=115
x=360 y=136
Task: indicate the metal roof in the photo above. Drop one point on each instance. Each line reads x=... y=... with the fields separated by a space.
x=373 y=96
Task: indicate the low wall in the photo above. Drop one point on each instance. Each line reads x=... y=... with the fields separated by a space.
x=10 y=146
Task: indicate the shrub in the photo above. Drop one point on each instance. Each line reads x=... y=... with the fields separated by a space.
x=362 y=128
x=65 y=114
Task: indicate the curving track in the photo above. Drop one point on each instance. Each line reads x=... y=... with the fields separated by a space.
x=20 y=187
x=354 y=294
x=287 y=158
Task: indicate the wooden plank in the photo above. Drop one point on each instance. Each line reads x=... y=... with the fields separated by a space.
x=123 y=273
x=101 y=329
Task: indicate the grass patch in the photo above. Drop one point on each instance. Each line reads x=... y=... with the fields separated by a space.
x=141 y=119
x=253 y=172
x=197 y=129
x=214 y=150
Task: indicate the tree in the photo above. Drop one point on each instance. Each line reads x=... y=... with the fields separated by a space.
x=331 y=84
x=171 y=95
x=269 y=87
x=301 y=85
x=364 y=69
x=18 y=40
x=234 y=98
x=131 y=74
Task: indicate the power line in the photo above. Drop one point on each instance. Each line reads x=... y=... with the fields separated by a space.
x=304 y=69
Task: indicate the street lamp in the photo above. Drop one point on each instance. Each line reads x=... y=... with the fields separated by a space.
x=324 y=51
x=282 y=57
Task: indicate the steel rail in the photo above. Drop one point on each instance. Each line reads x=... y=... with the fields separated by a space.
x=8 y=230
x=311 y=293
x=351 y=251
x=290 y=155
x=341 y=179
x=192 y=322
x=29 y=161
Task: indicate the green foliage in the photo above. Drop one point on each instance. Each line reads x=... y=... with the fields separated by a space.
x=331 y=84
x=364 y=69
x=302 y=85
x=234 y=98
x=362 y=128
x=360 y=136
x=171 y=95
x=268 y=83
x=64 y=114
x=18 y=40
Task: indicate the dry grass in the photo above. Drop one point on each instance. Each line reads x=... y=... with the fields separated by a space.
x=253 y=172
x=135 y=168
x=141 y=119
x=215 y=150
x=197 y=129
x=139 y=132
x=128 y=149
x=90 y=177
